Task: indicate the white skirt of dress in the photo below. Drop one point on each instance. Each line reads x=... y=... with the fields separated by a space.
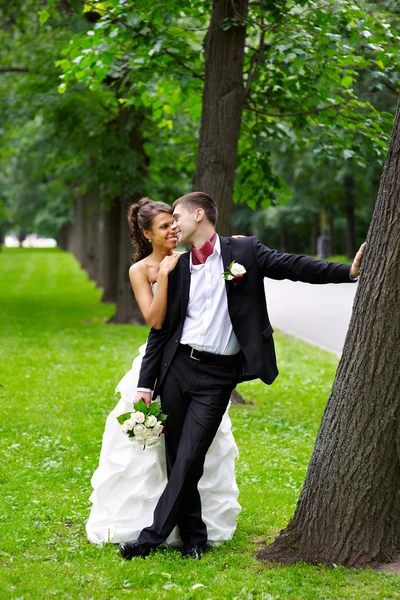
x=129 y=480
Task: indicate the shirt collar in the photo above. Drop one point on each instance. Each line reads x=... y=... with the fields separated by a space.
x=217 y=249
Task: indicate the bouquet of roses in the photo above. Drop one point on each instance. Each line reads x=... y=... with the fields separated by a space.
x=144 y=424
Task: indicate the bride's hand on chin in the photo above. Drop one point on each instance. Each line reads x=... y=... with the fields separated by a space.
x=146 y=396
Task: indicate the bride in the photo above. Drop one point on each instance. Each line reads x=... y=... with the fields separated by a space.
x=129 y=480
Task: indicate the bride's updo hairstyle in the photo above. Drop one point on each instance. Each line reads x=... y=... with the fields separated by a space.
x=140 y=217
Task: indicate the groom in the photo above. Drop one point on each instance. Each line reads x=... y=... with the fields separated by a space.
x=216 y=334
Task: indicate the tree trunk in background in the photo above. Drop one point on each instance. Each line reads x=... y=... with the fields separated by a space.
x=109 y=258
x=71 y=241
x=350 y=216
x=63 y=237
x=21 y=236
x=2 y=236
x=223 y=101
x=349 y=509
x=283 y=238
x=91 y=240
x=101 y=248
x=127 y=309
x=78 y=232
x=314 y=233
x=331 y=229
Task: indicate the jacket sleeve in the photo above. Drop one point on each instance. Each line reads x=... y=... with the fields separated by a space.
x=277 y=265
x=151 y=362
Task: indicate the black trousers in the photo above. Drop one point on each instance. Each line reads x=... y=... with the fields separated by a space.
x=194 y=395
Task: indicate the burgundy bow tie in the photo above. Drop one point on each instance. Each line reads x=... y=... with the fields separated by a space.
x=200 y=255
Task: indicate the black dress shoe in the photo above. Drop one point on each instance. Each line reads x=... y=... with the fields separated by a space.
x=192 y=551
x=129 y=550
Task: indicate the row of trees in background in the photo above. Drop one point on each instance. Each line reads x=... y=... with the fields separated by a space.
x=280 y=110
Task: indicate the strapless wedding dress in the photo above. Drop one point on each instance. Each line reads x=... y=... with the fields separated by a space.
x=129 y=480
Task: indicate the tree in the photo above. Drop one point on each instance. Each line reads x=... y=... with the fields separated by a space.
x=223 y=102
x=348 y=512
x=301 y=63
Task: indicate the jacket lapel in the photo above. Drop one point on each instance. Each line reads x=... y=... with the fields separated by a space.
x=226 y=253
x=185 y=283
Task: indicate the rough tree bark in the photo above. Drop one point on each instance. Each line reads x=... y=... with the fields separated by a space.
x=349 y=509
x=78 y=230
x=91 y=240
x=63 y=237
x=127 y=309
x=223 y=101
x=109 y=254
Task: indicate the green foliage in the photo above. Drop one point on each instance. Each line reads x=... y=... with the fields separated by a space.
x=318 y=85
x=320 y=78
x=60 y=366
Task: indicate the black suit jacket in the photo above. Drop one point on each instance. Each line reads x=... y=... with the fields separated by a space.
x=246 y=304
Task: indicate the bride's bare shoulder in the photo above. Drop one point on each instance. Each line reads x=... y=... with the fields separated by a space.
x=139 y=271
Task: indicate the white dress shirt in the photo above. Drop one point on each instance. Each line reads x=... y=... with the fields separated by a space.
x=207 y=325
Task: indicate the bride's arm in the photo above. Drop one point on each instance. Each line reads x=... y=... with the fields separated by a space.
x=153 y=308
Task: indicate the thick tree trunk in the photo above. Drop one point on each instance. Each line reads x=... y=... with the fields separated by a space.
x=78 y=234
x=127 y=310
x=223 y=100
x=349 y=509
x=350 y=216
x=91 y=237
x=110 y=252
x=63 y=237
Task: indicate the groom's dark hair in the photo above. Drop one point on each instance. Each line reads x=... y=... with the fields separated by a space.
x=199 y=200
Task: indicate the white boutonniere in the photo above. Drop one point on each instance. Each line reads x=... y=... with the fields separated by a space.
x=235 y=272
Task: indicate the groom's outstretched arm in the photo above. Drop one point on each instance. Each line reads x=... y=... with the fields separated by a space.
x=278 y=265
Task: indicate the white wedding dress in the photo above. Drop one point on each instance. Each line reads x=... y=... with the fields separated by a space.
x=129 y=480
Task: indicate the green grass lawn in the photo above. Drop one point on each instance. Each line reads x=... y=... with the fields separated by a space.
x=59 y=365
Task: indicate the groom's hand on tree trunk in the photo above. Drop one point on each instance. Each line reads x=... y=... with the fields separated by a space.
x=355 y=267
x=146 y=396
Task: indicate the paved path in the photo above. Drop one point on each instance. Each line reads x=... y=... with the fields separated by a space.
x=318 y=314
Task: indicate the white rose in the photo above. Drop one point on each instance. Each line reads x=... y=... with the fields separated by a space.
x=138 y=417
x=139 y=439
x=128 y=425
x=139 y=429
x=151 y=421
x=237 y=269
x=158 y=429
x=152 y=441
x=148 y=434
